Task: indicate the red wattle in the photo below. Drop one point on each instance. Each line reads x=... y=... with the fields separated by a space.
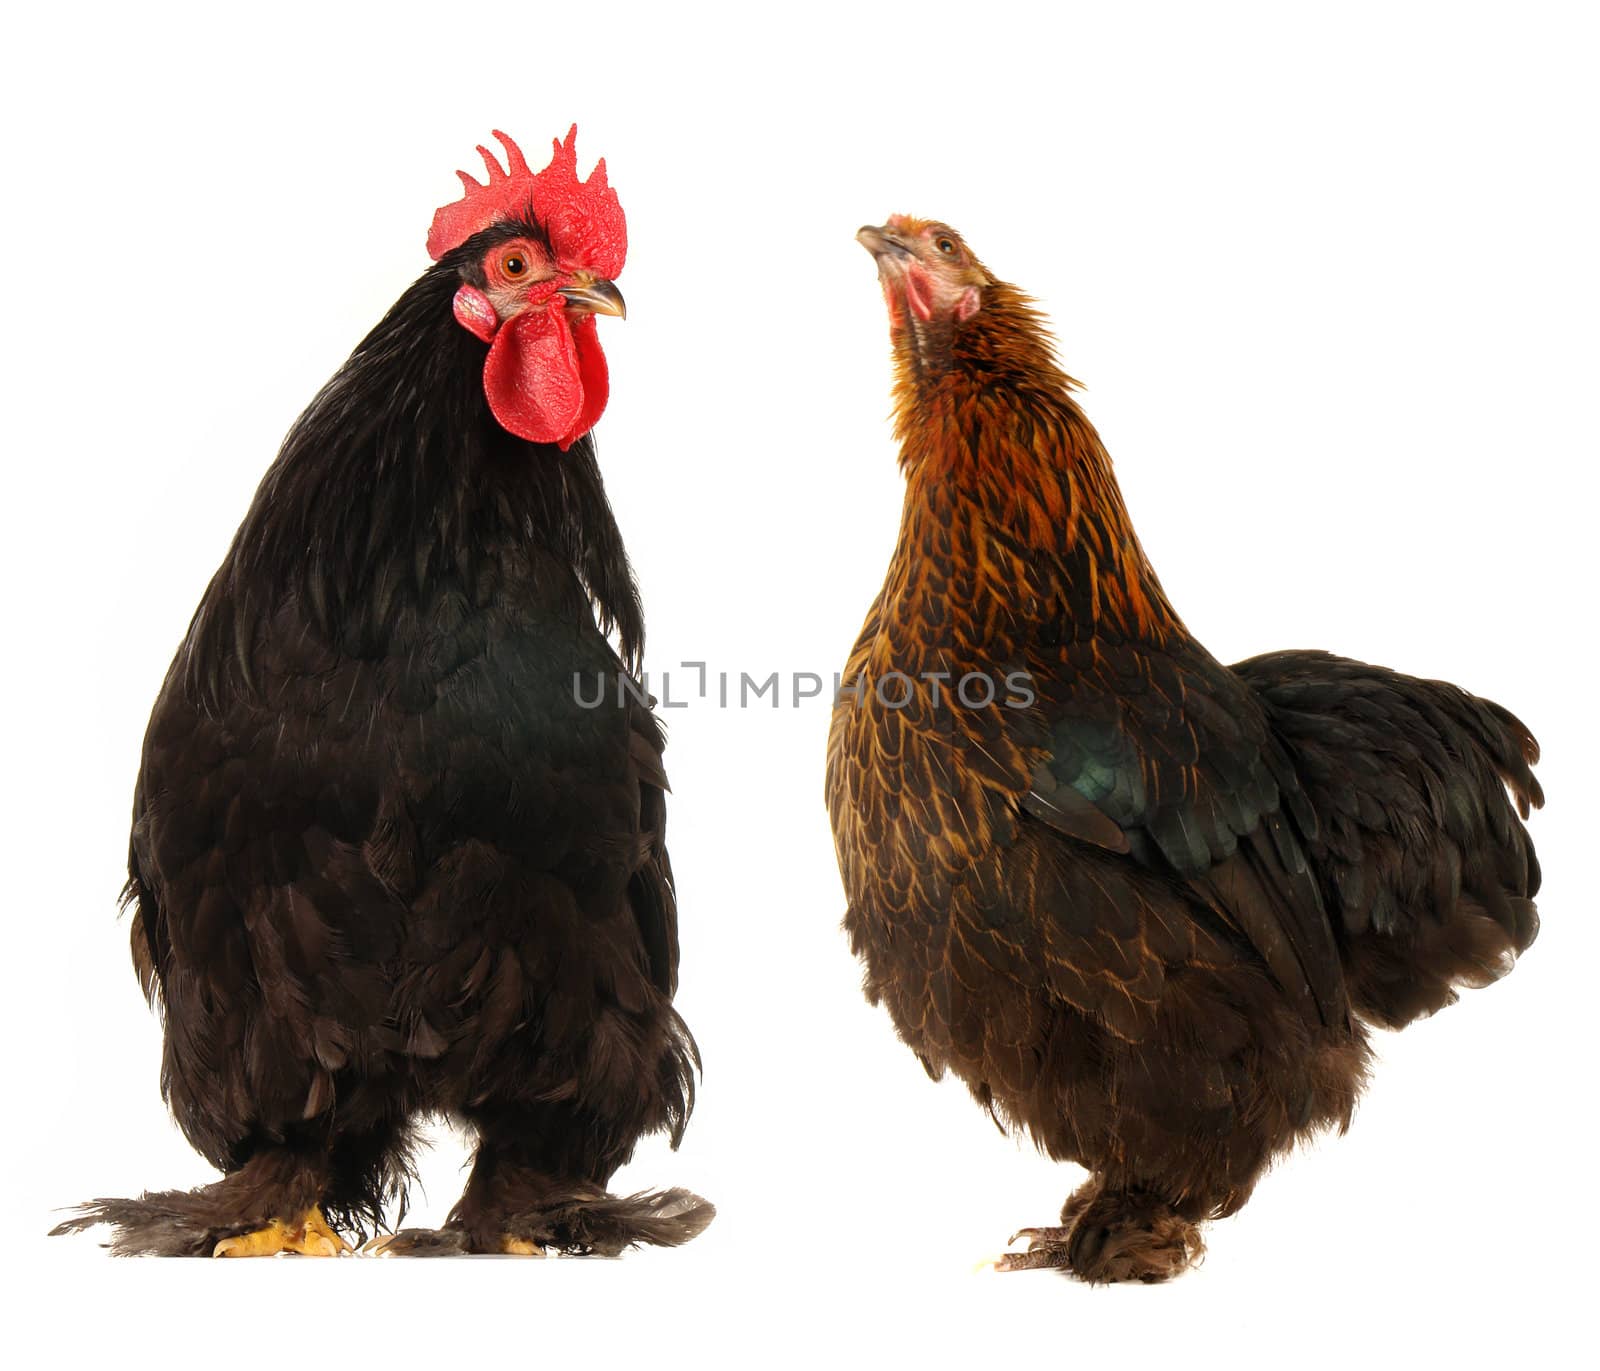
x=919 y=291
x=532 y=378
x=595 y=375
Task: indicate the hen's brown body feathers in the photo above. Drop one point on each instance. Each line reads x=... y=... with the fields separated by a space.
x=1140 y=902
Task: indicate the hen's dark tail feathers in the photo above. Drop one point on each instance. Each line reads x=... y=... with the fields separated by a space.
x=1428 y=872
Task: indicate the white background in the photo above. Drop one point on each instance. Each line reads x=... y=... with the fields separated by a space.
x=1328 y=274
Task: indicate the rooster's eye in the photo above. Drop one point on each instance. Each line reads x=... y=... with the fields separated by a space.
x=946 y=246
x=514 y=264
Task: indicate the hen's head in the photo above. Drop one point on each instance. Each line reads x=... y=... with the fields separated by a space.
x=930 y=278
x=537 y=253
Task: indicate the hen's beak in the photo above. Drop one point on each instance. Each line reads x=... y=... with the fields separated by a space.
x=594 y=296
x=883 y=242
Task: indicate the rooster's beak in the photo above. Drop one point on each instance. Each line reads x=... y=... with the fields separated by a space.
x=883 y=242
x=594 y=296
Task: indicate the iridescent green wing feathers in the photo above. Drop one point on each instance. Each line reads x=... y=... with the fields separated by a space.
x=1164 y=754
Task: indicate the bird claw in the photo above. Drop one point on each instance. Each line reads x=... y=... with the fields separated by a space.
x=311 y=1237
x=1047 y=1248
x=1034 y=1259
x=1038 y=1235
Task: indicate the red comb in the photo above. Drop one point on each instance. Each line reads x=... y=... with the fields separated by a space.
x=583 y=219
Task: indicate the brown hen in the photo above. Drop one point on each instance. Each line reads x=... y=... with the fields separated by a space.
x=1142 y=903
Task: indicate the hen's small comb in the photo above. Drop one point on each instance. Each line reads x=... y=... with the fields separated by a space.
x=583 y=219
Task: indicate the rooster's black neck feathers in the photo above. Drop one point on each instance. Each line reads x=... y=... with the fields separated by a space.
x=396 y=480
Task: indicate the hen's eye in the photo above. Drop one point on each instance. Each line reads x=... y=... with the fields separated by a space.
x=514 y=264
x=946 y=246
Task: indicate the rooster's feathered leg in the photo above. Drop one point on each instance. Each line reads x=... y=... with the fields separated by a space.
x=538 y=1183
x=270 y=1204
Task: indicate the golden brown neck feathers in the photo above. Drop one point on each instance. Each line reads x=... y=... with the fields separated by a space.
x=990 y=435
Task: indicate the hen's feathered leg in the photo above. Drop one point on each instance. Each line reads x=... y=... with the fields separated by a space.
x=1113 y=1235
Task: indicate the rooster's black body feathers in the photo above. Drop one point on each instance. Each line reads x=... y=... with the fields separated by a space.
x=383 y=860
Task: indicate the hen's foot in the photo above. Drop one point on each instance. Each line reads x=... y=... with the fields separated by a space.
x=1110 y=1237
x=1046 y=1250
x=310 y=1237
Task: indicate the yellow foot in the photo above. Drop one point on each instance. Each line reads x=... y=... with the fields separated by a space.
x=520 y=1247
x=311 y=1237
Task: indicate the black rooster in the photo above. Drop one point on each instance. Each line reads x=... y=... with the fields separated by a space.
x=384 y=861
